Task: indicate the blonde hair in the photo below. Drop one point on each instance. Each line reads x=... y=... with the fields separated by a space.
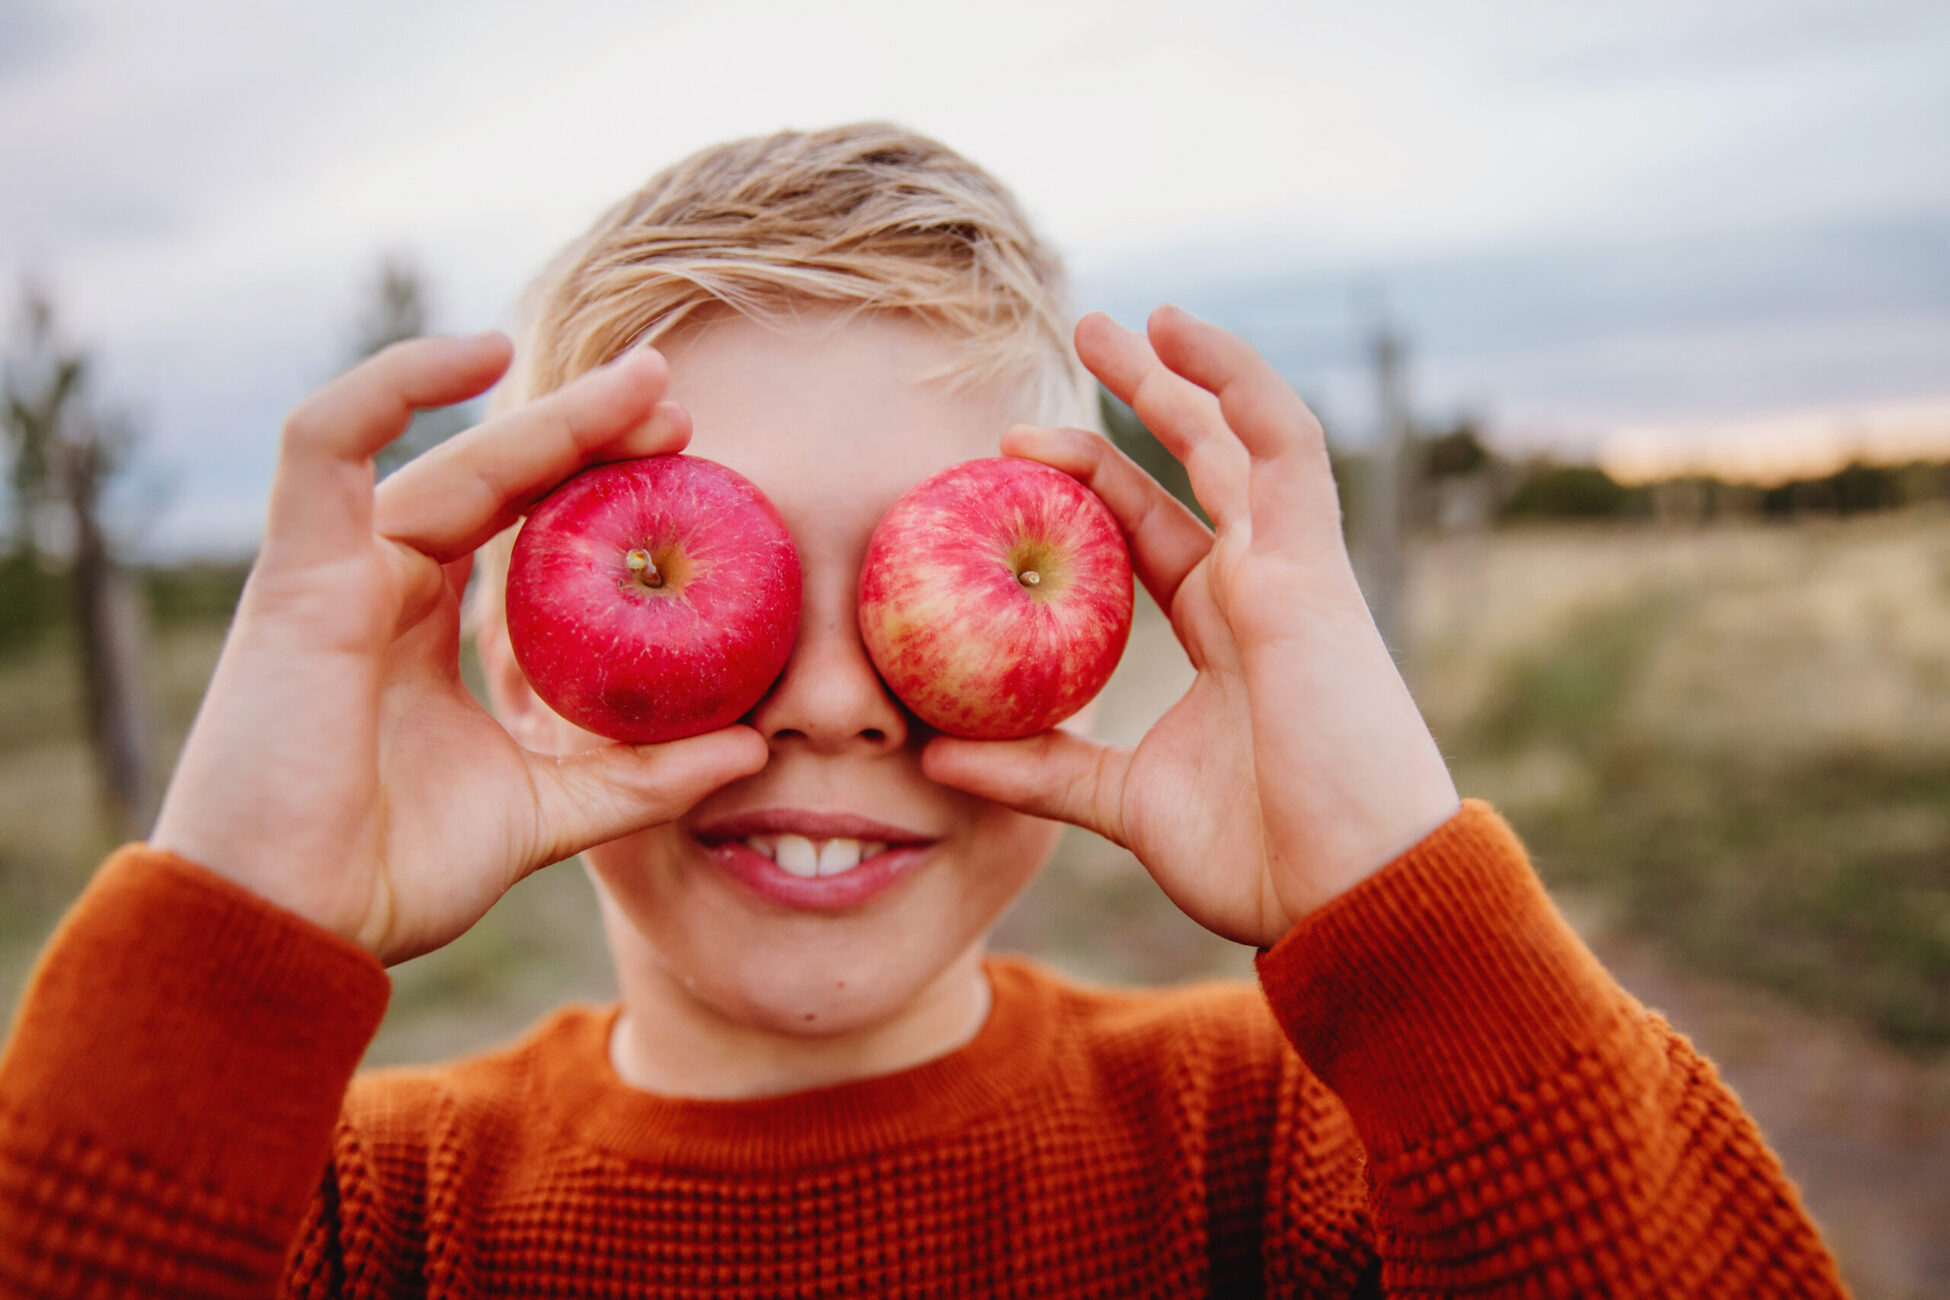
x=863 y=217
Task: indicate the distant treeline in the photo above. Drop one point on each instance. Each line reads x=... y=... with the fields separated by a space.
x=1454 y=480
x=34 y=599
x=1458 y=480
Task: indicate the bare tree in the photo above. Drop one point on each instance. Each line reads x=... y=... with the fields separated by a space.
x=64 y=458
x=398 y=310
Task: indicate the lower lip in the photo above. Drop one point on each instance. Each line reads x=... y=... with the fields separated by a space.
x=763 y=876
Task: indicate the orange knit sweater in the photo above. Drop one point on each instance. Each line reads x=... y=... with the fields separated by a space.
x=1449 y=1096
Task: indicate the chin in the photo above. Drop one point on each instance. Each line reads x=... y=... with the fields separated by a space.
x=823 y=990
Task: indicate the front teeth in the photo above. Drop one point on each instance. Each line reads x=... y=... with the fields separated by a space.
x=801 y=857
x=836 y=856
x=797 y=855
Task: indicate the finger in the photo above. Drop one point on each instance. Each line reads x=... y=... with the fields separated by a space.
x=1186 y=419
x=1258 y=404
x=321 y=495
x=435 y=504
x=600 y=794
x=1292 y=482
x=430 y=611
x=469 y=488
x=1167 y=540
x=457 y=573
x=1058 y=774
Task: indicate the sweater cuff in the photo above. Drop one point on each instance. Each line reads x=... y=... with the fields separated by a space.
x=182 y=1019
x=1440 y=986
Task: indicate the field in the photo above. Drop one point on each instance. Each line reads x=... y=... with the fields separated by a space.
x=1729 y=750
x=1738 y=740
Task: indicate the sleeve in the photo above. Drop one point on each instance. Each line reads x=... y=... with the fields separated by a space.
x=1530 y=1129
x=171 y=1086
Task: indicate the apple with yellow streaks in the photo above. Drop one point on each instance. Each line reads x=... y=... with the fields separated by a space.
x=995 y=598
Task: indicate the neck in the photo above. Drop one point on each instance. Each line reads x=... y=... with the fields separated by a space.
x=671 y=1042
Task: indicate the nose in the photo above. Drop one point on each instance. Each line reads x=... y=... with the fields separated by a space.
x=829 y=699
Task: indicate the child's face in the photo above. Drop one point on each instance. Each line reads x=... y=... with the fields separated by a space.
x=831 y=424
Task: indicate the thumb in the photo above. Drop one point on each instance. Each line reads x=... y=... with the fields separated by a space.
x=1058 y=774
x=600 y=794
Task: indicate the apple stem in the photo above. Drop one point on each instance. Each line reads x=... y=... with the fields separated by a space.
x=1029 y=578
x=644 y=568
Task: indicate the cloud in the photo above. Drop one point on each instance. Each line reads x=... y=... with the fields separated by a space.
x=1560 y=341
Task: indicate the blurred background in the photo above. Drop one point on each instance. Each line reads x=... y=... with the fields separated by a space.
x=1630 y=326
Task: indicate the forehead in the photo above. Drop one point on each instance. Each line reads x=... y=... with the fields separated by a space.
x=833 y=409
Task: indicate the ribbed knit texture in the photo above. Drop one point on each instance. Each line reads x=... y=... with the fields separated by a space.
x=1473 y=1108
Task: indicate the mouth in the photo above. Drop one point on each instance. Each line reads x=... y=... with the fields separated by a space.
x=813 y=860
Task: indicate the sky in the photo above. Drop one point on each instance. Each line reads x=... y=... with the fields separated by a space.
x=1664 y=225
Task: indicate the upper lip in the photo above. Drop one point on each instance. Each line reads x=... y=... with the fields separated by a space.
x=812 y=825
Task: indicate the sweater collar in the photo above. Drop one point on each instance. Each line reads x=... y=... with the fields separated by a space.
x=569 y=1061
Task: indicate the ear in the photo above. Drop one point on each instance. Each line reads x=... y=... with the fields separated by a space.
x=514 y=701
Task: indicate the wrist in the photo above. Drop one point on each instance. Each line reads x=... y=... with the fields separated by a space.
x=1361 y=845
x=263 y=862
x=1440 y=986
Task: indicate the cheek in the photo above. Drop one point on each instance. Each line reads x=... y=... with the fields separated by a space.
x=633 y=870
x=1010 y=850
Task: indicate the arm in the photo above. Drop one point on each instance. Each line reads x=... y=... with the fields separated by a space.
x=1310 y=770
x=1530 y=1128
x=168 y=1095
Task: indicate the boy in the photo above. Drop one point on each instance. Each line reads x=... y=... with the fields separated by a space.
x=1436 y=1090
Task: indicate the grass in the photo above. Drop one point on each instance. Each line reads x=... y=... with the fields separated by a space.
x=1737 y=742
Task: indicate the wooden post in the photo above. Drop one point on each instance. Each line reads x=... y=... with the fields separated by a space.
x=109 y=634
x=1380 y=557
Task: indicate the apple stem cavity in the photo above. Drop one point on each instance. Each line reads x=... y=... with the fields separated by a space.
x=644 y=568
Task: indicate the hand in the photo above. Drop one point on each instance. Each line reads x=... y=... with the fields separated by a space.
x=339 y=767
x=1297 y=764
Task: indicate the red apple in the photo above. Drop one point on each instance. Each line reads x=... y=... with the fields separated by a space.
x=652 y=599
x=995 y=598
